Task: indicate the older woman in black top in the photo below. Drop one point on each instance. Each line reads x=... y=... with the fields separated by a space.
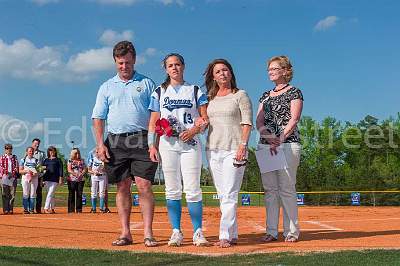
x=52 y=177
x=277 y=117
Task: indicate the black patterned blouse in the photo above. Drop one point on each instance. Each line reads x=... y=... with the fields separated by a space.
x=277 y=113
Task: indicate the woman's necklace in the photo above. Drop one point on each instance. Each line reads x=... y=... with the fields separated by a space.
x=275 y=90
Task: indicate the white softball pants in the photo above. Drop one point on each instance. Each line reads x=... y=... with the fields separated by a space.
x=98 y=186
x=227 y=180
x=50 y=200
x=181 y=165
x=29 y=188
x=280 y=190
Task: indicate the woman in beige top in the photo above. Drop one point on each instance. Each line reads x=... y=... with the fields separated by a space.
x=230 y=122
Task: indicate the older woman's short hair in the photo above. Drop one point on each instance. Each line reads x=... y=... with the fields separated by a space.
x=284 y=63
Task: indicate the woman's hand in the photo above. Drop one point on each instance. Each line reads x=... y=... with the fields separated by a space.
x=153 y=154
x=201 y=123
x=241 y=152
x=187 y=135
x=273 y=149
x=274 y=140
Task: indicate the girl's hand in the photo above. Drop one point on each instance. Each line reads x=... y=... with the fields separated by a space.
x=153 y=154
x=187 y=135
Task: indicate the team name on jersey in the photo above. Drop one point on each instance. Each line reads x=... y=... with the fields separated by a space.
x=171 y=104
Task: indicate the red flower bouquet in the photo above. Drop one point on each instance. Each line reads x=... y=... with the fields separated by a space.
x=171 y=127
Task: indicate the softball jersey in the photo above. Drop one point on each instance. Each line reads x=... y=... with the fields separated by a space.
x=181 y=102
x=98 y=166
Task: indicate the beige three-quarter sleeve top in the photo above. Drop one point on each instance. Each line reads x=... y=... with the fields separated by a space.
x=226 y=115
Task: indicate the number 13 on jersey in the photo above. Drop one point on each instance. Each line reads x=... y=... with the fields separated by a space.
x=187 y=118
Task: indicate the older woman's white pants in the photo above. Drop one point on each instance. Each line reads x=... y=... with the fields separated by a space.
x=50 y=200
x=227 y=180
x=280 y=190
x=181 y=164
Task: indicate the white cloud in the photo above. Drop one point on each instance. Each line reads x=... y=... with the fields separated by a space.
x=37 y=127
x=93 y=60
x=23 y=60
x=171 y=2
x=143 y=57
x=150 y=51
x=110 y=37
x=326 y=23
x=44 y=2
x=17 y=131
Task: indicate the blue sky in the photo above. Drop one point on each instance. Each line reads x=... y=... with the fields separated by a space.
x=55 y=54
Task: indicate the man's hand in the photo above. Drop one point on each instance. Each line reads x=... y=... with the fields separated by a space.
x=102 y=152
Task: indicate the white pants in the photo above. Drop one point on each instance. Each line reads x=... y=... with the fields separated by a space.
x=227 y=180
x=50 y=200
x=29 y=188
x=280 y=189
x=98 y=186
x=181 y=165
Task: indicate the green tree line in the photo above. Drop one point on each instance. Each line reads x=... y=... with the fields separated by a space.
x=341 y=156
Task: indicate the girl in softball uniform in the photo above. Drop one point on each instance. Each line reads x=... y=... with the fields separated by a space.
x=99 y=181
x=29 y=180
x=181 y=158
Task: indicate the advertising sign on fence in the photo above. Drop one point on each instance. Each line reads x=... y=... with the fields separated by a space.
x=83 y=199
x=135 y=200
x=245 y=199
x=355 y=198
x=300 y=199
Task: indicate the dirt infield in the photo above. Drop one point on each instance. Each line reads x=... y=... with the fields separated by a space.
x=323 y=229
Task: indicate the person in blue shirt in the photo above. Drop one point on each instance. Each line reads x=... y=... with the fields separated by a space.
x=122 y=102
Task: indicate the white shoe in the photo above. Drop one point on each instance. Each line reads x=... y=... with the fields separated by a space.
x=198 y=239
x=176 y=238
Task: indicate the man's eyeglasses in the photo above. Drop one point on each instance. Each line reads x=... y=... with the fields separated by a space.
x=241 y=163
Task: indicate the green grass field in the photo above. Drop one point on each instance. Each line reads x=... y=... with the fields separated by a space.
x=41 y=256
